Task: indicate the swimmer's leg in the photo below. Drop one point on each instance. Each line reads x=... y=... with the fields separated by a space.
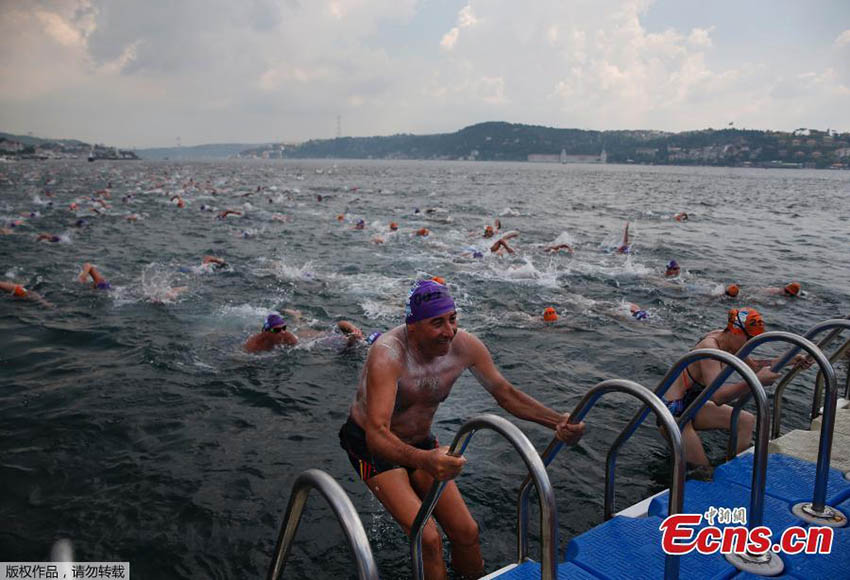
x=394 y=490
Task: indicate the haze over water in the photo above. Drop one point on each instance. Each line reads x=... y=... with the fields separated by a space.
x=133 y=423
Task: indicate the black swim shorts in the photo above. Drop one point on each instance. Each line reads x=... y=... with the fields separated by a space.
x=352 y=438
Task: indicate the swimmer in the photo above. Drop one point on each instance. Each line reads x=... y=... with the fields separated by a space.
x=549 y=315
x=52 y=238
x=377 y=240
x=180 y=203
x=423 y=232
x=340 y=217
x=223 y=214
x=743 y=324
x=637 y=312
x=6 y=231
x=625 y=247
x=98 y=281
x=360 y=225
x=732 y=290
x=790 y=290
x=213 y=262
x=409 y=372
x=18 y=292
x=489 y=232
x=393 y=227
x=681 y=217
x=502 y=243
x=274 y=333
x=558 y=248
x=673 y=269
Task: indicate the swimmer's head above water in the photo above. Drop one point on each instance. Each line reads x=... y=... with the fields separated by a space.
x=745 y=321
x=274 y=323
x=673 y=268
x=792 y=289
x=427 y=299
x=549 y=314
x=732 y=290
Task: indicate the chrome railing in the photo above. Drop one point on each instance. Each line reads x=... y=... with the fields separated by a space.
x=836 y=325
x=344 y=512
x=537 y=472
x=733 y=364
x=818 y=508
x=671 y=432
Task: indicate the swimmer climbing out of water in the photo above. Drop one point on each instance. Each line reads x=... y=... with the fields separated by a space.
x=98 y=281
x=742 y=324
x=409 y=371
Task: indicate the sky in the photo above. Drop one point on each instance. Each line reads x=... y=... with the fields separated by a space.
x=136 y=73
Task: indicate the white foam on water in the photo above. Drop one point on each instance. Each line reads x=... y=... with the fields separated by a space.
x=159 y=285
x=508 y=211
x=563 y=238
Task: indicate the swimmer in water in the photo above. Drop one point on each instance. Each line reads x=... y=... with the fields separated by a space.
x=637 y=312
x=790 y=290
x=360 y=225
x=273 y=334
x=214 y=262
x=502 y=243
x=732 y=290
x=52 y=238
x=393 y=227
x=223 y=214
x=423 y=232
x=409 y=371
x=558 y=248
x=180 y=203
x=625 y=247
x=549 y=315
x=97 y=279
x=18 y=292
x=681 y=217
x=673 y=269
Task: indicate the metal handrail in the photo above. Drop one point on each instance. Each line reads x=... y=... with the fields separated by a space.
x=825 y=443
x=671 y=431
x=837 y=325
x=344 y=512
x=545 y=493
x=733 y=364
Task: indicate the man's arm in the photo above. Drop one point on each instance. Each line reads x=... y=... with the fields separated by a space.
x=383 y=369
x=514 y=401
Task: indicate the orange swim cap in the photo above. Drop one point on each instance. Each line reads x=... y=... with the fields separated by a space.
x=19 y=291
x=422 y=232
x=792 y=289
x=393 y=226
x=439 y=280
x=732 y=290
x=340 y=217
x=746 y=321
x=549 y=314
x=488 y=230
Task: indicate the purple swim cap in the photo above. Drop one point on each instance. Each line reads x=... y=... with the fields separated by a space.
x=672 y=264
x=426 y=300
x=273 y=321
x=373 y=337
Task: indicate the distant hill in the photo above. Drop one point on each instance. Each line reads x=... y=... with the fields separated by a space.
x=197 y=152
x=499 y=141
x=30 y=140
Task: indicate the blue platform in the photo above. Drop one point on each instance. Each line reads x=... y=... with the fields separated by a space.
x=788 y=478
x=531 y=571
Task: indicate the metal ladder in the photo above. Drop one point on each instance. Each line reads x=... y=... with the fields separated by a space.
x=815 y=511
x=344 y=512
x=671 y=432
x=733 y=364
x=537 y=473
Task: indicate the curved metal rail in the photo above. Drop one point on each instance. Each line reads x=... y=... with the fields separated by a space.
x=344 y=512
x=537 y=472
x=733 y=364
x=819 y=506
x=671 y=432
x=836 y=325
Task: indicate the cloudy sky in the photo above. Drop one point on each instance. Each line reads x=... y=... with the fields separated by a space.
x=144 y=72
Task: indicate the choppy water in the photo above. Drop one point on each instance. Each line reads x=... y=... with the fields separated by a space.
x=133 y=424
